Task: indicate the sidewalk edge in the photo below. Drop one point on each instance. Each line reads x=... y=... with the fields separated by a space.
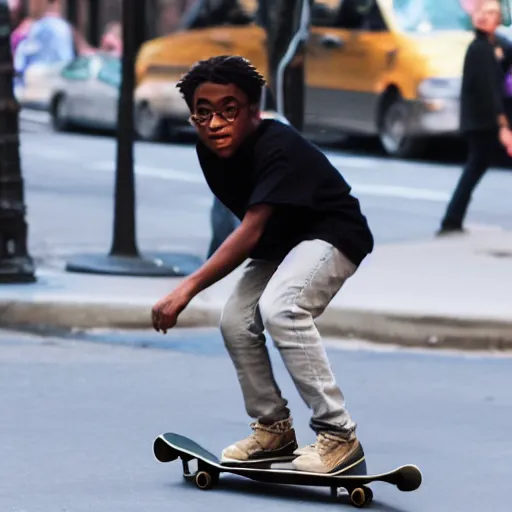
x=405 y=330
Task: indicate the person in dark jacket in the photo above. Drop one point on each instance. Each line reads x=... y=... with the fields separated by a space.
x=223 y=223
x=483 y=119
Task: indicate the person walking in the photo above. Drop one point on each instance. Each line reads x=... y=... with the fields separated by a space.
x=483 y=119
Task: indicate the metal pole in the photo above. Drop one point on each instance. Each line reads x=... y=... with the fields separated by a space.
x=16 y=265
x=72 y=12
x=123 y=243
x=286 y=43
x=124 y=257
x=93 y=30
x=292 y=63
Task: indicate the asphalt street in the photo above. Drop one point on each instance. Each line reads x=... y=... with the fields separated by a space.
x=79 y=416
x=69 y=181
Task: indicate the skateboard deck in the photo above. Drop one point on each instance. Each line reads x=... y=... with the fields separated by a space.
x=169 y=447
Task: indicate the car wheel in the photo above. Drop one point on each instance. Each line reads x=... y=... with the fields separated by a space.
x=393 y=130
x=148 y=124
x=60 y=114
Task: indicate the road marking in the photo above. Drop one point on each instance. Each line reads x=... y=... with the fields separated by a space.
x=153 y=172
x=401 y=192
x=376 y=190
x=354 y=161
x=62 y=155
x=371 y=190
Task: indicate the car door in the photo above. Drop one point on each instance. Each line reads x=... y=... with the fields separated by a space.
x=326 y=81
x=107 y=88
x=76 y=77
x=335 y=64
x=372 y=47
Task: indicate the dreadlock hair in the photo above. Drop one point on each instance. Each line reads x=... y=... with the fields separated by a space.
x=223 y=69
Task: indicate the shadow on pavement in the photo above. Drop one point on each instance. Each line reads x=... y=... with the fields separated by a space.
x=316 y=495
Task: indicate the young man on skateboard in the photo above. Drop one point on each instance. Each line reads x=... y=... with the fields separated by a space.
x=304 y=235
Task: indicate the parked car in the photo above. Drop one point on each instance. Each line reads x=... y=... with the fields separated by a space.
x=87 y=93
x=39 y=81
x=390 y=69
x=160 y=111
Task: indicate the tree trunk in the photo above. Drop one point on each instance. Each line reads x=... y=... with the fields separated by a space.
x=15 y=263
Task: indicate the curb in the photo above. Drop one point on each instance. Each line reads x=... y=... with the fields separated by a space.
x=377 y=327
x=36 y=116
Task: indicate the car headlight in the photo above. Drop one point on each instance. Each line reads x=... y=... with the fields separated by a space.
x=437 y=88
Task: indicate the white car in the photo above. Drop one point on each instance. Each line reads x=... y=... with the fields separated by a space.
x=87 y=93
x=39 y=81
x=160 y=110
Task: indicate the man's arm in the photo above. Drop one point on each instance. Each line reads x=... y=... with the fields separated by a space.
x=233 y=251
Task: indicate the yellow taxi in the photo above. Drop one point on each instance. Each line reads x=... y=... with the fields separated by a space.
x=385 y=68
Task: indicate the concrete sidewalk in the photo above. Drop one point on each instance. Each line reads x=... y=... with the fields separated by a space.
x=449 y=292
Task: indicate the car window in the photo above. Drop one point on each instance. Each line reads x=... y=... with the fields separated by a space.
x=213 y=13
x=431 y=15
x=110 y=72
x=324 y=13
x=348 y=14
x=361 y=15
x=78 y=69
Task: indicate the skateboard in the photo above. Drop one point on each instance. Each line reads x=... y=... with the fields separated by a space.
x=168 y=447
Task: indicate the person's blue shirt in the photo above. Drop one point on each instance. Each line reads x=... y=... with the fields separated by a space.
x=50 y=41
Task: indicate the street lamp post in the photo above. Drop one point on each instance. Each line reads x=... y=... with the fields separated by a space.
x=124 y=257
x=16 y=265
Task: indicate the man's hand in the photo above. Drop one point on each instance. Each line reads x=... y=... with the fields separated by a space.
x=232 y=253
x=166 y=311
x=506 y=139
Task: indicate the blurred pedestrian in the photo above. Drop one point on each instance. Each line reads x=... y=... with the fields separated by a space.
x=112 y=40
x=20 y=22
x=483 y=118
x=223 y=223
x=49 y=42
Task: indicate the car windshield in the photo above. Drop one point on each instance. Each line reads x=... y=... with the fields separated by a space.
x=211 y=13
x=431 y=15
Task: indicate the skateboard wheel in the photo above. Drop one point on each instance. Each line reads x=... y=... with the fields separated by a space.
x=369 y=495
x=358 y=497
x=204 y=480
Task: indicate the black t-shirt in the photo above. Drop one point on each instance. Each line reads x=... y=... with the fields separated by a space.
x=277 y=166
x=482 y=91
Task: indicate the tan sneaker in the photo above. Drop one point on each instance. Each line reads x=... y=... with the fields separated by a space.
x=267 y=442
x=305 y=449
x=331 y=454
